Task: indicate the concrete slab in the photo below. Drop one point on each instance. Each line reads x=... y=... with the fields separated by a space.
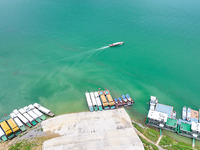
x=111 y=129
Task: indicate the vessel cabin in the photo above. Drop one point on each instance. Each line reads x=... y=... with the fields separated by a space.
x=32 y=114
x=43 y=109
x=103 y=99
x=89 y=101
x=37 y=112
x=98 y=101
x=157 y=118
x=18 y=122
x=15 y=129
x=93 y=101
x=110 y=99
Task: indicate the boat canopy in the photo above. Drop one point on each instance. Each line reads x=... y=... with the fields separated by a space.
x=32 y=114
x=120 y=99
x=31 y=106
x=116 y=100
x=18 y=122
x=97 y=99
x=1 y=133
x=28 y=117
x=89 y=101
x=13 y=115
x=15 y=111
x=37 y=112
x=6 y=128
x=123 y=96
x=22 y=118
x=93 y=99
x=22 y=111
x=13 y=125
x=41 y=108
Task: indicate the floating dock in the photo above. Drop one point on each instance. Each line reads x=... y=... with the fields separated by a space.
x=22 y=118
x=89 y=101
x=32 y=114
x=18 y=122
x=93 y=101
x=99 y=104
x=43 y=109
x=37 y=112
x=103 y=99
x=110 y=99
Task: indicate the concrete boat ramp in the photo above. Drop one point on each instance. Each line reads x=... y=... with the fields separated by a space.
x=102 y=130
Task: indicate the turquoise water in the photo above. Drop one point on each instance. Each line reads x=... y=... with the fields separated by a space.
x=50 y=53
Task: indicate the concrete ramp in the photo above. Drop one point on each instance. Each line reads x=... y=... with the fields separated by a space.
x=107 y=130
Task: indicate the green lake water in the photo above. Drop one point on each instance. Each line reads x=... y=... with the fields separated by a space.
x=51 y=52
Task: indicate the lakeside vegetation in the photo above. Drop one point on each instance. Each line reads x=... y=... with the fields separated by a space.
x=166 y=142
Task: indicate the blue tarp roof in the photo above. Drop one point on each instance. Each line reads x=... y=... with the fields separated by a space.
x=164 y=109
x=127 y=96
x=123 y=96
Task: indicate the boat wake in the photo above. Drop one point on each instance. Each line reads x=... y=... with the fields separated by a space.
x=98 y=49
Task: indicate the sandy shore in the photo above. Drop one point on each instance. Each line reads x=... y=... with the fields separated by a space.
x=110 y=129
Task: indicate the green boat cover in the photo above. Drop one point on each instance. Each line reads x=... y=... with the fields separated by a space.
x=100 y=108
x=171 y=122
x=43 y=117
x=23 y=128
x=38 y=120
x=29 y=125
x=4 y=138
x=33 y=122
x=185 y=127
x=95 y=108
x=11 y=136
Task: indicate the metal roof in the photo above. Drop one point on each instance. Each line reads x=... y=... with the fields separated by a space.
x=164 y=109
x=171 y=122
x=159 y=116
x=185 y=127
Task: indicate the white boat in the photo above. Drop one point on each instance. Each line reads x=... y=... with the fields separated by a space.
x=32 y=114
x=93 y=101
x=3 y=135
x=22 y=118
x=89 y=101
x=116 y=44
x=184 y=114
x=37 y=112
x=18 y=122
x=188 y=114
x=98 y=101
x=43 y=109
x=27 y=116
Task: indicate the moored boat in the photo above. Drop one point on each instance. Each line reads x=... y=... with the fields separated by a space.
x=18 y=122
x=189 y=114
x=124 y=99
x=116 y=44
x=43 y=109
x=110 y=99
x=130 y=100
x=37 y=112
x=3 y=135
x=7 y=130
x=32 y=114
x=22 y=118
x=103 y=99
x=93 y=101
x=89 y=101
x=27 y=116
x=13 y=126
x=184 y=114
x=98 y=101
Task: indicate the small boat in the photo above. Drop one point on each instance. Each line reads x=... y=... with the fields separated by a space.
x=130 y=100
x=184 y=115
x=188 y=114
x=43 y=109
x=124 y=98
x=37 y=112
x=18 y=122
x=116 y=44
x=174 y=115
x=32 y=114
x=22 y=118
x=27 y=116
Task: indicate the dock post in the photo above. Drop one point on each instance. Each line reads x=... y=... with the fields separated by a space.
x=160 y=132
x=193 y=143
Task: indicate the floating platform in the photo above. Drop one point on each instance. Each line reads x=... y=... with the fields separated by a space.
x=165 y=109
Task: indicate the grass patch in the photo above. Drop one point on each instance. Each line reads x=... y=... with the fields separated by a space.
x=148 y=146
x=23 y=145
x=151 y=134
x=170 y=144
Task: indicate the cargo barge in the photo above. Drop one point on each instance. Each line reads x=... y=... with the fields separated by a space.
x=89 y=101
x=43 y=109
x=104 y=101
x=110 y=99
x=22 y=118
x=18 y=122
x=99 y=104
x=37 y=112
